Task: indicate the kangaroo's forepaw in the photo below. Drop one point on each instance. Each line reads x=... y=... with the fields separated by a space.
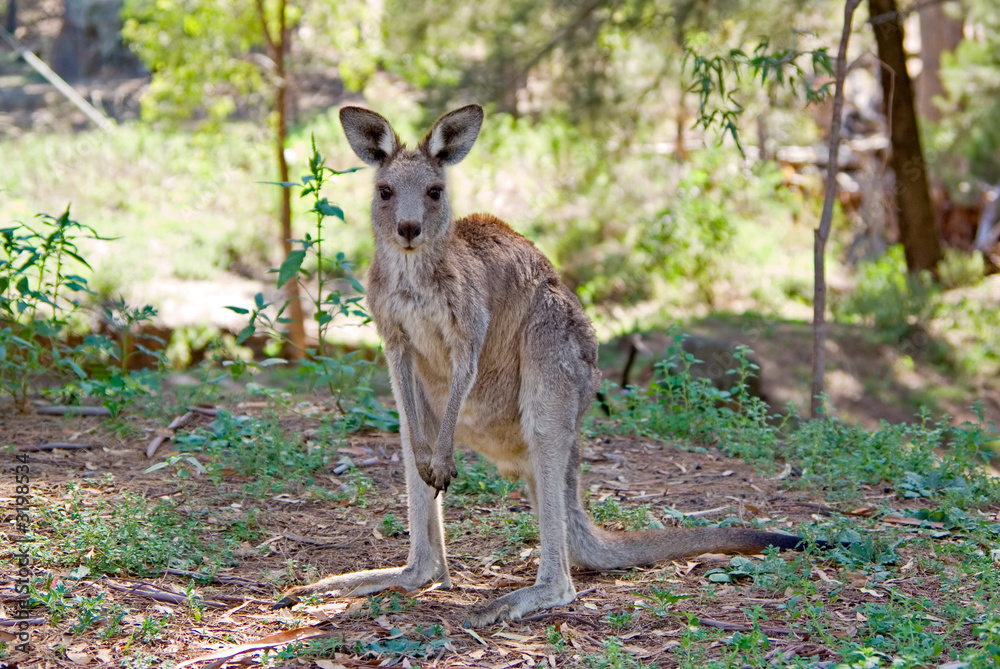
x=438 y=474
x=443 y=472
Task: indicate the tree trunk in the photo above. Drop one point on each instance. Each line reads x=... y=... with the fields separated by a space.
x=940 y=32
x=277 y=46
x=917 y=224
x=11 y=23
x=816 y=406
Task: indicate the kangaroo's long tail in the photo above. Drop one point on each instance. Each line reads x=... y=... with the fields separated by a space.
x=595 y=548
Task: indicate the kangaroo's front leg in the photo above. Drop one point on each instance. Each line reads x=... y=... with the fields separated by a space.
x=426 y=563
x=411 y=401
x=464 y=367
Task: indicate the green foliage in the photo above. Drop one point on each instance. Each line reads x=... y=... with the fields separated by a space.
x=41 y=304
x=889 y=299
x=393 y=602
x=478 y=480
x=38 y=297
x=966 y=141
x=199 y=52
x=610 y=512
x=613 y=657
x=926 y=458
x=250 y=447
x=391 y=527
x=773 y=574
x=619 y=620
x=782 y=66
x=660 y=600
x=124 y=536
x=347 y=377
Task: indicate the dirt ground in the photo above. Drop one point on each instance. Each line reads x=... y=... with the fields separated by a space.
x=335 y=538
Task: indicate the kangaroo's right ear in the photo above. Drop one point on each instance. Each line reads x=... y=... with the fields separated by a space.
x=369 y=134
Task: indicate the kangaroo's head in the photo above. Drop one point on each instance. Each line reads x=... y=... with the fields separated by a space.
x=411 y=207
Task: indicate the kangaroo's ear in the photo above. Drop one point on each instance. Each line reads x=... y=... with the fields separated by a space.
x=453 y=135
x=370 y=135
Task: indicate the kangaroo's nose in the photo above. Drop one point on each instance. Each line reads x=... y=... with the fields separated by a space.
x=408 y=231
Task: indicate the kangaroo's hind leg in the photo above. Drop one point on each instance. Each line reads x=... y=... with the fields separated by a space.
x=557 y=387
x=426 y=562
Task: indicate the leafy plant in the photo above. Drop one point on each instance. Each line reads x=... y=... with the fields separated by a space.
x=610 y=512
x=346 y=377
x=619 y=620
x=128 y=536
x=478 y=480
x=928 y=458
x=38 y=298
x=391 y=527
x=613 y=657
x=660 y=600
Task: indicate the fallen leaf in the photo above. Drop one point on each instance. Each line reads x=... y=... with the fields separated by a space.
x=329 y=664
x=901 y=520
x=78 y=658
x=514 y=637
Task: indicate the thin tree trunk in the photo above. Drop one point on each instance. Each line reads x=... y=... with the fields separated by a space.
x=816 y=408
x=277 y=49
x=917 y=224
x=12 y=17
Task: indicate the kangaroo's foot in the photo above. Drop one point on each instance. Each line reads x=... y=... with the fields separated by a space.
x=360 y=583
x=520 y=603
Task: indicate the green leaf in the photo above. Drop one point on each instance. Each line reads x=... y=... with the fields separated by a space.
x=324 y=208
x=290 y=267
x=239 y=310
x=76 y=368
x=283 y=184
x=258 y=299
x=245 y=334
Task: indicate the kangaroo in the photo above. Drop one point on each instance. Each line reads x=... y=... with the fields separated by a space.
x=487 y=346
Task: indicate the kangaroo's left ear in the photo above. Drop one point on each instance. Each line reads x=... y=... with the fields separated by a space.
x=453 y=135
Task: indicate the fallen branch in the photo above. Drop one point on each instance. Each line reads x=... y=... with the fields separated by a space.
x=13 y=622
x=214 y=578
x=322 y=542
x=175 y=424
x=279 y=639
x=152 y=592
x=204 y=411
x=568 y=616
x=54 y=446
x=73 y=411
x=734 y=627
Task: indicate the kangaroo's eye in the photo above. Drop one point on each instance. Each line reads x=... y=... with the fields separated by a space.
x=384 y=192
x=434 y=193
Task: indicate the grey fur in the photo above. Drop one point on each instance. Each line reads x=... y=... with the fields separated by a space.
x=487 y=346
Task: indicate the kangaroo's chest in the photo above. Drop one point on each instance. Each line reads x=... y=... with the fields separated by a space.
x=427 y=324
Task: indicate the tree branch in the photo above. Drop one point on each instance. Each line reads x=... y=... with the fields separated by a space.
x=268 y=39
x=823 y=232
